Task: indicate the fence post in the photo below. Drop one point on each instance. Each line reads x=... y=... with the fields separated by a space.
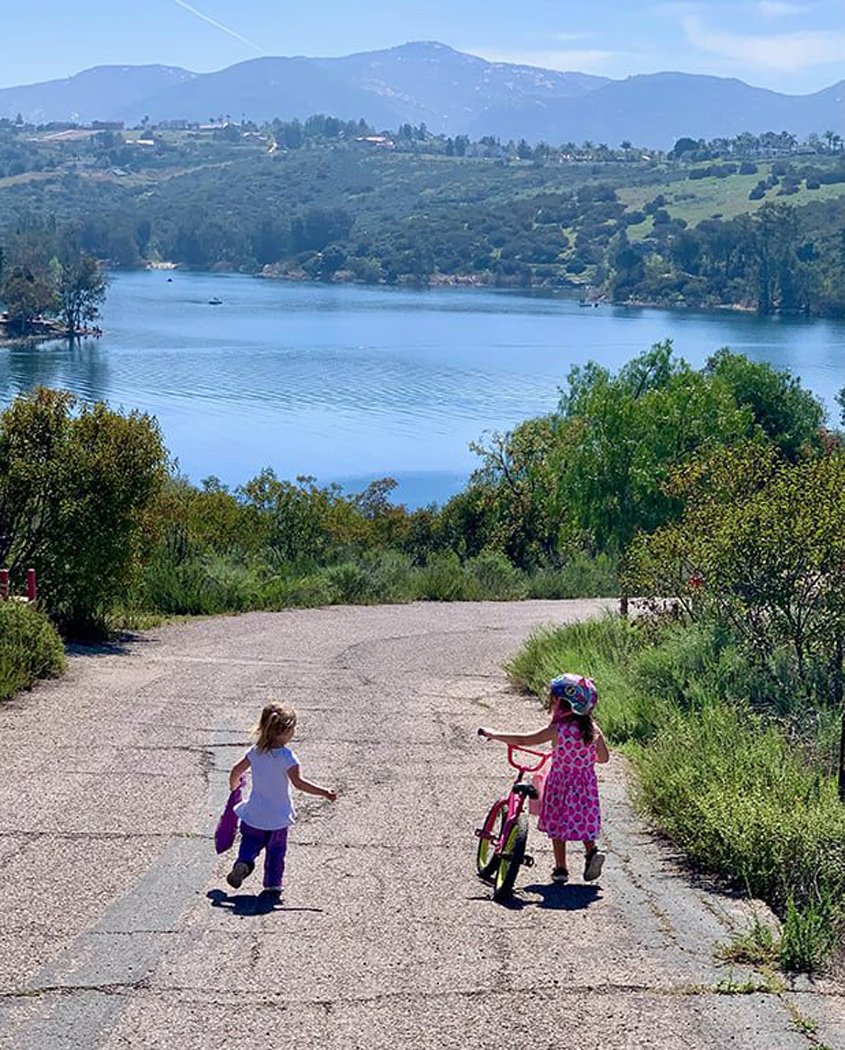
x=4 y=584
x=31 y=588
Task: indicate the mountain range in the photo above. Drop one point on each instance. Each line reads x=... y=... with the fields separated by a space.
x=449 y=91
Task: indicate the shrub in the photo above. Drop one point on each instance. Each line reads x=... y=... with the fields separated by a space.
x=393 y=577
x=198 y=586
x=351 y=583
x=30 y=648
x=308 y=591
x=581 y=577
x=442 y=579
x=497 y=579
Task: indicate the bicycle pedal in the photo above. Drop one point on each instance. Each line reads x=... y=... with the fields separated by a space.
x=528 y=861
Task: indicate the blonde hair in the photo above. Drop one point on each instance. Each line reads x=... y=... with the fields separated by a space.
x=275 y=720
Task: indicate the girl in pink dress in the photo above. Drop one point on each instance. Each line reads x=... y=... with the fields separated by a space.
x=570 y=805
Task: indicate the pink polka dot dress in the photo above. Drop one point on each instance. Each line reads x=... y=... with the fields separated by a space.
x=570 y=806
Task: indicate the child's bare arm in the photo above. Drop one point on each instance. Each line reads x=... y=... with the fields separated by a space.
x=237 y=771
x=602 y=753
x=299 y=782
x=542 y=736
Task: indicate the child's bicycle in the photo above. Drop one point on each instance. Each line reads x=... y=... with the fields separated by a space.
x=504 y=834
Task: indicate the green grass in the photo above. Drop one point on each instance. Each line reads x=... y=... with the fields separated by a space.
x=698 y=199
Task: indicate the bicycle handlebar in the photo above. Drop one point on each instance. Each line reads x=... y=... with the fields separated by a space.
x=542 y=755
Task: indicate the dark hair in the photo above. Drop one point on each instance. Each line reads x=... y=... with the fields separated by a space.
x=586 y=727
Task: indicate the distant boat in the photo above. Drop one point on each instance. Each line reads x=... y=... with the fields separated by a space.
x=215 y=301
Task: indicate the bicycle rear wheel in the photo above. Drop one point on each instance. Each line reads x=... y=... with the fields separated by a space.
x=510 y=859
x=487 y=860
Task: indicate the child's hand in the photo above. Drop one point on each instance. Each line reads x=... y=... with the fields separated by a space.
x=331 y=795
x=483 y=732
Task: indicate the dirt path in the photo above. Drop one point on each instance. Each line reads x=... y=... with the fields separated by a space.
x=117 y=930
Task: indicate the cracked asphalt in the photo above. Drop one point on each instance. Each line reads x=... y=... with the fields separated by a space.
x=118 y=929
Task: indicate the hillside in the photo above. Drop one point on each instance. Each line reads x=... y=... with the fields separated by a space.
x=335 y=207
x=448 y=91
x=95 y=94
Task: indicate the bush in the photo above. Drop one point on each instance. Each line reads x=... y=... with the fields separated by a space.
x=442 y=579
x=393 y=577
x=198 y=586
x=30 y=648
x=352 y=584
x=308 y=591
x=582 y=577
x=497 y=579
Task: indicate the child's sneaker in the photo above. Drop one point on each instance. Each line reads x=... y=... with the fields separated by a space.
x=239 y=872
x=273 y=893
x=560 y=875
x=593 y=863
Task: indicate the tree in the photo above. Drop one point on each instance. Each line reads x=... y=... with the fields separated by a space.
x=761 y=545
x=27 y=291
x=789 y=416
x=77 y=485
x=81 y=289
x=638 y=426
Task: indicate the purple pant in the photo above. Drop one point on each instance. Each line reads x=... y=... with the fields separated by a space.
x=274 y=844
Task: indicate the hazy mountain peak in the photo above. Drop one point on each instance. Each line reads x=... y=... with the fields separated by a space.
x=428 y=82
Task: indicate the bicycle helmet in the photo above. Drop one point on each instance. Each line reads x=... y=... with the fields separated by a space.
x=575 y=690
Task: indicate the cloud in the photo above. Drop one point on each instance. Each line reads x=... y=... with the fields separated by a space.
x=777 y=8
x=783 y=52
x=564 y=60
x=220 y=26
x=568 y=38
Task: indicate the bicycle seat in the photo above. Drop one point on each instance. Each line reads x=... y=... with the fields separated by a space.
x=526 y=789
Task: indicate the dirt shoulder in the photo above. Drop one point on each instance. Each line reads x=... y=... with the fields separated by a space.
x=119 y=930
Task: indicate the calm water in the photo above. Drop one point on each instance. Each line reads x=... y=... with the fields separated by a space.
x=350 y=383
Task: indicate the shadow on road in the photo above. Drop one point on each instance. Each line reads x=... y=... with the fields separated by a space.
x=552 y=895
x=119 y=646
x=561 y=897
x=249 y=903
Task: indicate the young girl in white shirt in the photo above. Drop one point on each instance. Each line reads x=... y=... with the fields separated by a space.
x=268 y=812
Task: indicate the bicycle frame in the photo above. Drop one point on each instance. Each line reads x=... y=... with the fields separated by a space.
x=514 y=801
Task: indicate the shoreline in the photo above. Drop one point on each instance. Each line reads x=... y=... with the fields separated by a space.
x=572 y=290
x=45 y=332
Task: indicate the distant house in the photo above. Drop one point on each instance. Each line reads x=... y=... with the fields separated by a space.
x=107 y=125
x=376 y=141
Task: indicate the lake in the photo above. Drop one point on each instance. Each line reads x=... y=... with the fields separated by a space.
x=349 y=383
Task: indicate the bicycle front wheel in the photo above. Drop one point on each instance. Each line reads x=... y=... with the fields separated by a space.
x=510 y=859
x=487 y=860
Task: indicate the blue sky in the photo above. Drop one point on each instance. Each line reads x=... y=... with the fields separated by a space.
x=787 y=45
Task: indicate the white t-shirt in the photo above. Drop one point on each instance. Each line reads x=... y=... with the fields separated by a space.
x=270 y=803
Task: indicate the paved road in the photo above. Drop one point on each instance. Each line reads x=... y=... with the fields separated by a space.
x=118 y=931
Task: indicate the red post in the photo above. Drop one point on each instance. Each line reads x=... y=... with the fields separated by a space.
x=31 y=588
x=4 y=584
